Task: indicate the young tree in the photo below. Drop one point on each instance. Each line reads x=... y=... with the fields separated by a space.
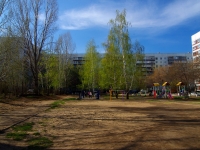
x=64 y=49
x=110 y=71
x=90 y=70
x=35 y=23
x=130 y=53
x=11 y=68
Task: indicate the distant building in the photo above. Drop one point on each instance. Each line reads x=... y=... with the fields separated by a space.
x=195 y=46
x=150 y=62
x=195 y=39
x=156 y=60
x=77 y=59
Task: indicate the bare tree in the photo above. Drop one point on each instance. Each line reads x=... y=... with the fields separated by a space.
x=64 y=48
x=4 y=14
x=35 y=23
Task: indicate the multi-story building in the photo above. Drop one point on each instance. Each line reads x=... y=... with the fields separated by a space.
x=151 y=60
x=195 y=46
x=78 y=59
x=156 y=60
x=195 y=39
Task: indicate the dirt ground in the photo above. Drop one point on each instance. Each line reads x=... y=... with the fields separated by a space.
x=104 y=124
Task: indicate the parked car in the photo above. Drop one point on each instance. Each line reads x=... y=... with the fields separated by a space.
x=194 y=94
x=198 y=93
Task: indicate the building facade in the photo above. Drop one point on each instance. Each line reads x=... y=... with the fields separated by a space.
x=195 y=39
x=156 y=60
x=150 y=62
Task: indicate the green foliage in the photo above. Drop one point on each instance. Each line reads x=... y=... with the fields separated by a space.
x=24 y=127
x=90 y=70
x=39 y=143
x=119 y=69
x=18 y=136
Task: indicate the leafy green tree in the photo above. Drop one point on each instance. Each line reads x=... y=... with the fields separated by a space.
x=64 y=50
x=111 y=65
x=126 y=54
x=90 y=70
x=11 y=68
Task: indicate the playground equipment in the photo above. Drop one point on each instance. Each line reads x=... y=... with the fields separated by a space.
x=162 y=91
x=180 y=88
x=117 y=93
x=155 y=89
x=166 y=90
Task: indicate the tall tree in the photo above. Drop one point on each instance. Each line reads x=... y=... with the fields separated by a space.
x=120 y=41
x=90 y=70
x=35 y=23
x=64 y=49
x=110 y=64
x=4 y=14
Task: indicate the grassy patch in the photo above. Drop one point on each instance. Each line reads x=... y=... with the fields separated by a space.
x=39 y=143
x=178 y=97
x=57 y=104
x=24 y=127
x=60 y=102
x=18 y=136
x=68 y=99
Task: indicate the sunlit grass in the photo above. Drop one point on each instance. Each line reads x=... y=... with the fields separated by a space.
x=39 y=143
x=24 y=127
x=18 y=136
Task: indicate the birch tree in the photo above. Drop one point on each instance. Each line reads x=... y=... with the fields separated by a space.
x=65 y=48
x=90 y=70
x=111 y=64
x=130 y=53
x=35 y=23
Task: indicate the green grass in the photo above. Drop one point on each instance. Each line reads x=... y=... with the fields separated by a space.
x=69 y=99
x=57 y=104
x=39 y=143
x=18 y=136
x=24 y=127
x=60 y=102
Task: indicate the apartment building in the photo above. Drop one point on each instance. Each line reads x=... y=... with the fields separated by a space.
x=195 y=39
x=156 y=60
x=151 y=60
x=195 y=46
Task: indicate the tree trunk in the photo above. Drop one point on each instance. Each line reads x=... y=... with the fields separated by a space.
x=36 y=88
x=127 y=95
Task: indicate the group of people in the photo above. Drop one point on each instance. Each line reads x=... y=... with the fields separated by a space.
x=89 y=94
x=85 y=94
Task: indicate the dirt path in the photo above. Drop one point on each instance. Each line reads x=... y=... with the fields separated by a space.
x=97 y=124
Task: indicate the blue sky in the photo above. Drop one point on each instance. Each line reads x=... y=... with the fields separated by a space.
x=163 y=26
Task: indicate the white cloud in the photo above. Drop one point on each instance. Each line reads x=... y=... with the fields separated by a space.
x=139 y=14
x=86 y=17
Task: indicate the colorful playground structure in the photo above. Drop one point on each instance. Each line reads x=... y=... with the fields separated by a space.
x=180 y=88
x=162 y=91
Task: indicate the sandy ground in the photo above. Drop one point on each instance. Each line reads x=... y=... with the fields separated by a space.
x=104 y=124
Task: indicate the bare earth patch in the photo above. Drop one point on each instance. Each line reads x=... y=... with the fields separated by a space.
x=116 y=124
